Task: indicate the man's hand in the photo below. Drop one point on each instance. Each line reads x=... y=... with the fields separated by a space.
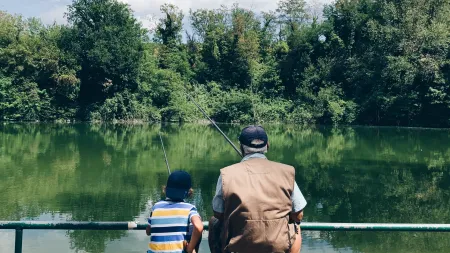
x=297 y=217
x=218 y=216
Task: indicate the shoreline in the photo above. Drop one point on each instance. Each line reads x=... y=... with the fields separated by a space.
x=206 y=122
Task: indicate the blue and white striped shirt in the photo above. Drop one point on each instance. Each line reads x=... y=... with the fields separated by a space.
x=170 y=225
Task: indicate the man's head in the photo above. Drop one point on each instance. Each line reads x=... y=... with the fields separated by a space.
x=178 y=185
x=253 y=139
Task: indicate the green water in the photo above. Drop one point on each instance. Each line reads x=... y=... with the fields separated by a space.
x=87 y=172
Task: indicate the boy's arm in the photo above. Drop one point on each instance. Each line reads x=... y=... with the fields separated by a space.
x=148 y=229
x=196 y=234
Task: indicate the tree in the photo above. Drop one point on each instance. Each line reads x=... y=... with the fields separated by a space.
x=170 y=26
x=367 y=62
x=395 y=57
x=107 y=41
x=292 y=14
x=173 y=54
x=40 y=81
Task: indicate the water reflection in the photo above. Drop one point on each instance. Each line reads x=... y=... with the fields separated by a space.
x=111 y=172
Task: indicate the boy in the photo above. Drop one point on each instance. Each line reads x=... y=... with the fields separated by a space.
x=174 y=225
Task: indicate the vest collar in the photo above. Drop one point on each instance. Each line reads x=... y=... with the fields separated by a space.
x=254 y=155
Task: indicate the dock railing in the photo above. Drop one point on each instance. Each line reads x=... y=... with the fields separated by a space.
x=19 y=226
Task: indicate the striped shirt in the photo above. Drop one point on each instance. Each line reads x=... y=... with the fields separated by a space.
x=170 y=225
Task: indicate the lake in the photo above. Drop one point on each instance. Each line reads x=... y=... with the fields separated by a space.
x=106 y=172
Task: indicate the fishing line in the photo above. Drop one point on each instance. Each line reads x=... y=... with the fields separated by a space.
x=217 y=127
x=164 y=150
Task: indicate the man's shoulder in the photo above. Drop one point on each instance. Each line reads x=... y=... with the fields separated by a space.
x=282 y=164
x=231 y=167
x=268 y=162
x=251 y=162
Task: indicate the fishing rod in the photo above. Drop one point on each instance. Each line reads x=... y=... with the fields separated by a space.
x=164 y=150
x=217 y=127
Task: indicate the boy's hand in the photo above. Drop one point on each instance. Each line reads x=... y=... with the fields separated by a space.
x=187 y=248
x=148 y=230
x=196 y=233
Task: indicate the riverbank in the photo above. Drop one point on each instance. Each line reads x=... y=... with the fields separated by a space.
x=244 y=67
x=207 y=122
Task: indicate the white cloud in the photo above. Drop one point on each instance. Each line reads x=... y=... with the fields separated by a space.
x=146 y=7
x=148 y=22
x=56 y=14
x=146 y=11
x=152 y=7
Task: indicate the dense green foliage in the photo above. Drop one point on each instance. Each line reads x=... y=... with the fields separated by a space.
x=378 y=62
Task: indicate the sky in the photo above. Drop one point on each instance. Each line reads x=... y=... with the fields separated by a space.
x=146 y=11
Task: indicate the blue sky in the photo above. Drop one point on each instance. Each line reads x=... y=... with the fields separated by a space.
x=145 y=10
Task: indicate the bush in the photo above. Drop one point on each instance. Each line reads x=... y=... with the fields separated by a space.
x=272 y=110
x=23 y=101
x=124 y=106
x=234 y=106
x=335 y=109
x=301 y=115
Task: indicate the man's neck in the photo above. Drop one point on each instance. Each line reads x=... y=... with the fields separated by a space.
x=253 y=155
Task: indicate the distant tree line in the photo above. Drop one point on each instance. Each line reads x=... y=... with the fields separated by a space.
x=371 y=62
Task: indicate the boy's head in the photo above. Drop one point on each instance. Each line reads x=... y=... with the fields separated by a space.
x=178 y=185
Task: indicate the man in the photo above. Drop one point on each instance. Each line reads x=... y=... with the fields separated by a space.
x=254 y=202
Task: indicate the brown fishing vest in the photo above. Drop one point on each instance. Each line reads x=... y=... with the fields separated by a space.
x=257 y=195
